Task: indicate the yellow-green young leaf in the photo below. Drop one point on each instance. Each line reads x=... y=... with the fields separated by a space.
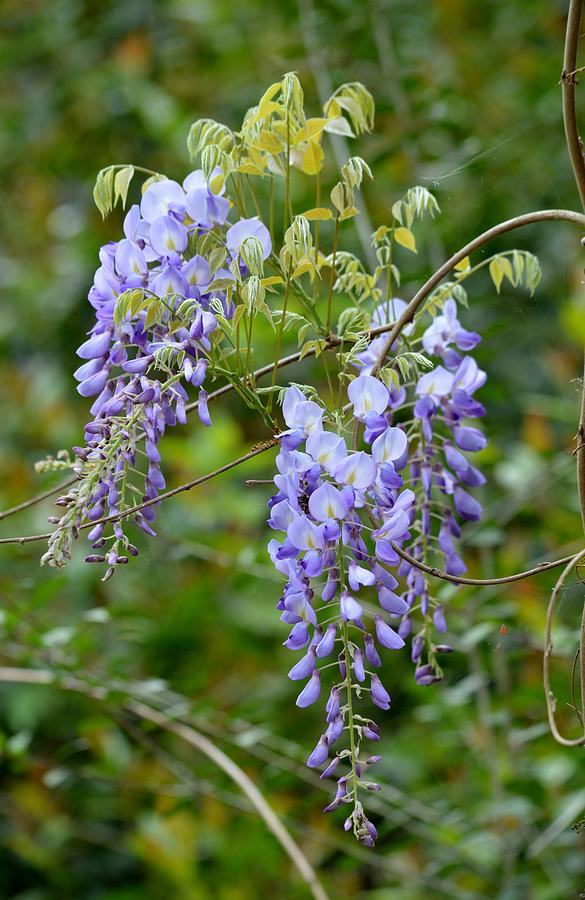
x=240 y=310
x=304 y=266
x=272 y=279
x=405 y=238
x=312 y=160
x=312 y=128
x=266 y=312
x=339 y=125
x=308 y=347
x=506 y=267
x=102 y=192
x=390 y=377
x=267 y=96
x=153 y=313
x=380 y=233
x=318 y=213
x=122 y=183
x=496 y=273
x=463 y=265
x=339 y=196
x=269 y=142
x=349 y=213
x=248 y=168
x=217 y=183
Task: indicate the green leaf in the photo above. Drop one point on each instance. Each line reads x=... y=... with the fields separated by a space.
x=103 y=189
x=496 y=273
x=405 y=238
x=122 y=183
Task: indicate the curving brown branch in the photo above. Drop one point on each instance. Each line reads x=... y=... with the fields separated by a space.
x=504 y=579
x=540 y=215
x=548 y=648
x=15 y=675
x=38 y=498
x=568 y=84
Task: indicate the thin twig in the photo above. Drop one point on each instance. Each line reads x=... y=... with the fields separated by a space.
x=504 y=579
x=224 y=762
x=38 y=498
x=190 y=735
x=575 y=150
x=548 y=648
x=541 y=215
x=189 y=485
x=568 y=83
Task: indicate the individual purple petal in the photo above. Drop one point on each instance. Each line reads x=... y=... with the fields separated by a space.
x=357 y=576
x=305 y=535
x=245 y=228
x=94 y=384
x=326 y=448
x=439 y=619
x=454 y=565
x=327 y=502
x=391 y=602
x=299 y=636
x=357 y=469
x=326 y=773
x=95 y=346
x=333 y=704
x=334 y=730
x=327 y=642
x=386 y=635
x=380 y=695
x=160 y=198
x=169 y=281
x=436 y=384
x=368 y=394
x=167 y=236
x=358 y=665
x=349 y=608
x=304 y=667
x=425 y=675
x=311 y=691
x=197 y=272
x=389 y=446
x=466 y=505
x=202 y=408
x=130 y=259
x=319 y=754
x=92 y=367
x=372 y=654
x=469 y=438
x=468 y=377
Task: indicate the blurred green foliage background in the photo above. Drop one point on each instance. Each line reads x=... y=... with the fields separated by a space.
x=479 y=801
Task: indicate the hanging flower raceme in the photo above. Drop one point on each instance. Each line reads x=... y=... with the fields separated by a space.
x=340 y=511
x=346 y=515
x=153 y=339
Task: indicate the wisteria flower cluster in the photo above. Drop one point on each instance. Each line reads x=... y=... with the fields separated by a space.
x=347 y=514
x=152 y=296
x=369 y=495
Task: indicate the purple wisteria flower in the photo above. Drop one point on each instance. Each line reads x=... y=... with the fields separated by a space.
x=138 y=367
x=347 y=515
x=339 y=515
